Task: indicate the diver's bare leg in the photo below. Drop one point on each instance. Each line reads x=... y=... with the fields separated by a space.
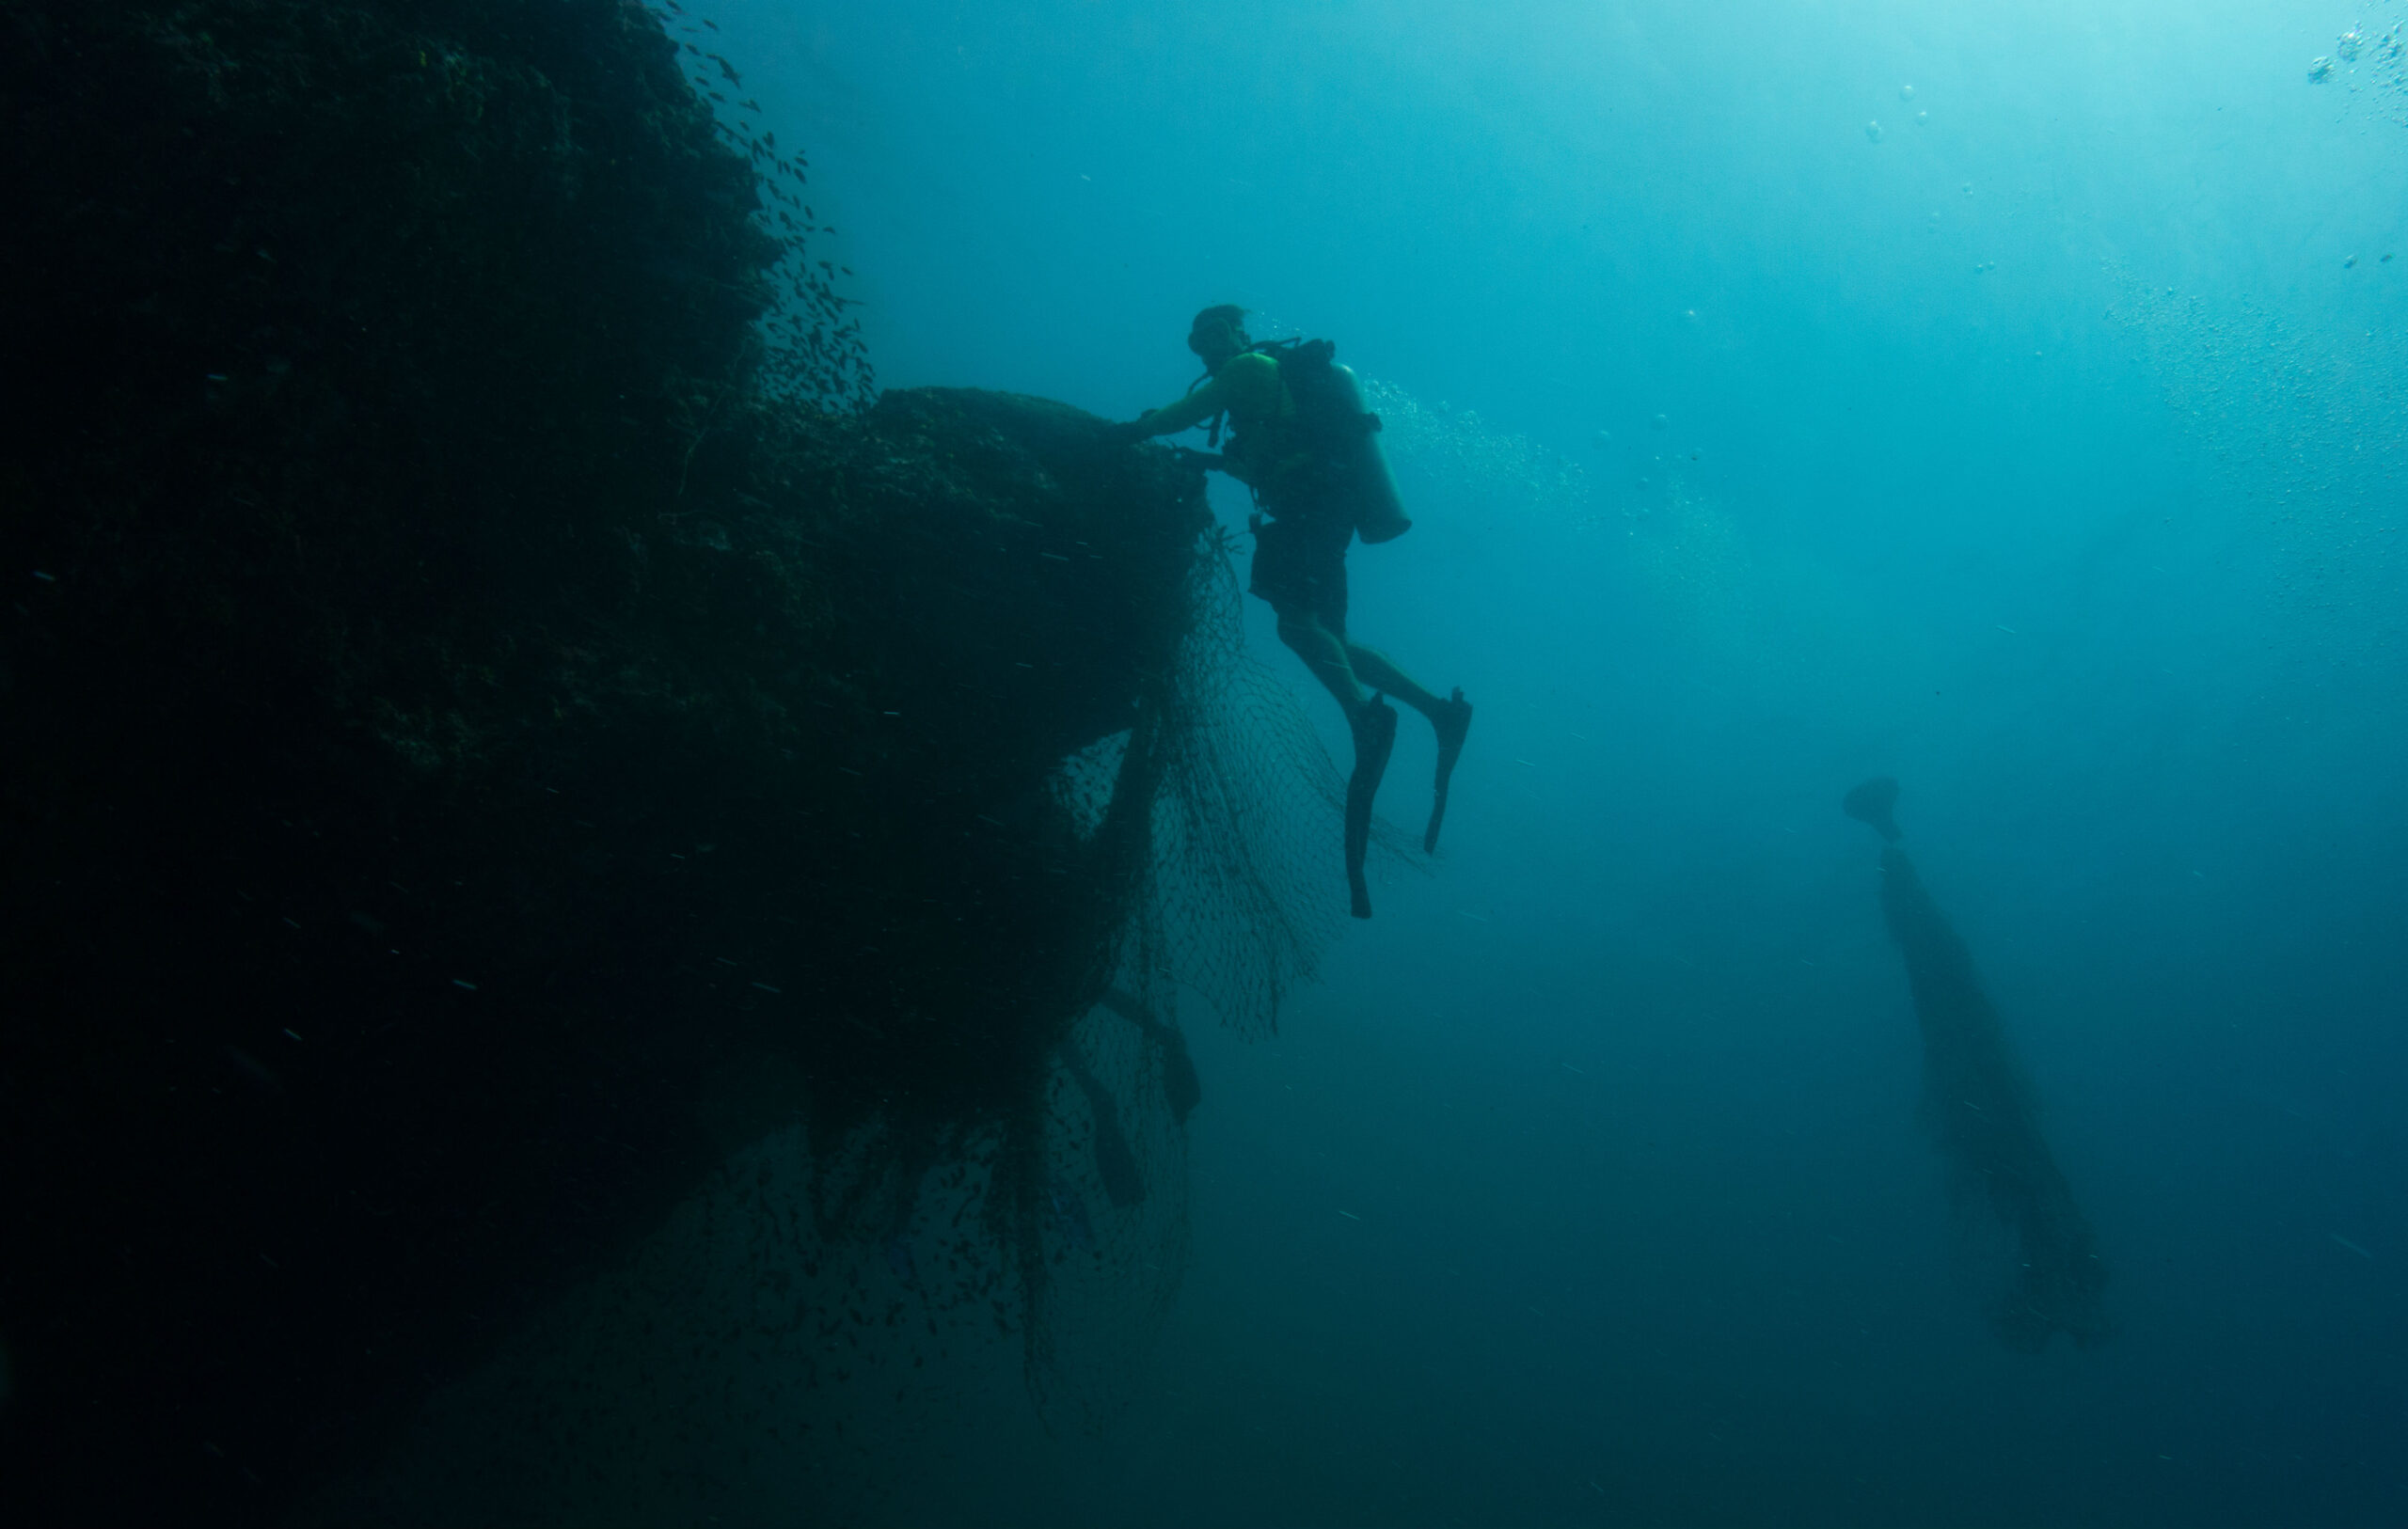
x=1376 y=669
x=1371 y=722
x=1326 y=653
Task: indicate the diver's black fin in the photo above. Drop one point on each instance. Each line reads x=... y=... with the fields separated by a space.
x=1181 y=1088
x=1871 y=804
x=1453 y=723
x=1374 y=740
x=1113 y=1162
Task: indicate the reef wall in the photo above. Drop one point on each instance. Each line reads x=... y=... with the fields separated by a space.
x=494 y=725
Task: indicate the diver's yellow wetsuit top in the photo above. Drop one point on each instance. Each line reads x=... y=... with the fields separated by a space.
x=1248 y=387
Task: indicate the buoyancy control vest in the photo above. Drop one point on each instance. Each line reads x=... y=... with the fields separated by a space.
x=1321 y=456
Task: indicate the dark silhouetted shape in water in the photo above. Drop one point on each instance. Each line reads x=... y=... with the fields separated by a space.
x=1872 y=804
x=1981 y=1112
x=1182 y=1087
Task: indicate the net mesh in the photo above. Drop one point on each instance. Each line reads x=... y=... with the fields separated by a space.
x=1212 y=832
x=1208 y=837
x=1982 y=1113
x=801 y=1326
x=1247 y=876
x=1237 y=890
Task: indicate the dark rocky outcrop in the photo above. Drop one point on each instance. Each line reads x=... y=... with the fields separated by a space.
x=485 y=732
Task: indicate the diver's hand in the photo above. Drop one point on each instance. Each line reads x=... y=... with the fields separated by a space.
x=1127 y=433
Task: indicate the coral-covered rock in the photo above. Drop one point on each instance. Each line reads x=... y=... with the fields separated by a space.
x=469 y=721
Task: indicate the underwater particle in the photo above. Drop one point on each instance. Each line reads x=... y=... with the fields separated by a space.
x=2318 y=71
x=2353 y=1246
x=1923 y=118
x=53 y=578
x=1605 y=437
x=1659 y=421
x=1906 y=92
x=1969 y=188
x=2347 y=45
x=463 y=983
x=1873 y=131
x=2349 y=262
x=1690 y=314
x=2386 y=258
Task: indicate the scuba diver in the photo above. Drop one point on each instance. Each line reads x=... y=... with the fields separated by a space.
x=1302 y=441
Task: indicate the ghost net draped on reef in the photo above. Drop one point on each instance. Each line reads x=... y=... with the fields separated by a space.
x=976 y=1164
x=481 y=596
x=1198 y=848
x=1981 y=1112
x=1221 y=825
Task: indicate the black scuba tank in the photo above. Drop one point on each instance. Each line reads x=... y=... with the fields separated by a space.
x=1334 y=443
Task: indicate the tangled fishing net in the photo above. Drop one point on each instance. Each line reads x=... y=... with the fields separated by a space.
x=810 y=1315
x=1231 y=807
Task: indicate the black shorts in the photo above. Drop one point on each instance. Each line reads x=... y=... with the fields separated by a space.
x=1300 y=567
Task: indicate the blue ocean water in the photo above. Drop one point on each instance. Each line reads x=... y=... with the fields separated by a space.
x=2011 y=398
